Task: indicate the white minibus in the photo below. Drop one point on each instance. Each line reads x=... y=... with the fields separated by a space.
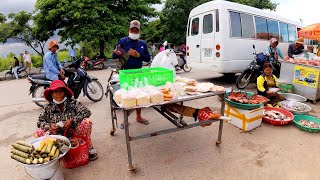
x=220 y=35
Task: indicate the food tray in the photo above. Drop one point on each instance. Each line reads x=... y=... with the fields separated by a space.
x=285 y=104
x=297 y=118
x=242 y=106
x=36 y=143
x=293 y=97
x=278 y=122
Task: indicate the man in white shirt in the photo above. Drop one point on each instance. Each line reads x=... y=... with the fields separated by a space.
x=27 y=61
x=72 y=54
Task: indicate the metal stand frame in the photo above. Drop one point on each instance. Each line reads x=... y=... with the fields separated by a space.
x=177 y=121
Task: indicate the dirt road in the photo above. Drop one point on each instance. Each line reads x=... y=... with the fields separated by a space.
x=269 y=152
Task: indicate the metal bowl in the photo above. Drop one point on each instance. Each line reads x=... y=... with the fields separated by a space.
x=293 y=97
x=290 y=106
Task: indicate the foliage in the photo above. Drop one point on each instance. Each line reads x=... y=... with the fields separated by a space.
x=172 y=24
x=20 y=28
x=94 y=21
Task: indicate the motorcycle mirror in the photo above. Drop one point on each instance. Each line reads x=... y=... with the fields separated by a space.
x=253 y=46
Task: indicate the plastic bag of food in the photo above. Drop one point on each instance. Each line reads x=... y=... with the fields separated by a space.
x=143 y=99
x=129 y=100
x=117 y=97
x=156 y=96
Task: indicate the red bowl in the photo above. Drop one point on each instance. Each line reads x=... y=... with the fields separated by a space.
x=278 y=122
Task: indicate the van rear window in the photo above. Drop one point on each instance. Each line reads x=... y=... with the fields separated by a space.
x=195 y=27
x=207 y=24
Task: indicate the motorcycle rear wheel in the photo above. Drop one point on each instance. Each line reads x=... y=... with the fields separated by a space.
x=39 y=93
x=95 y=91
x=243 y=80
x=186 y=68
x=23 y=73
x=8 y=76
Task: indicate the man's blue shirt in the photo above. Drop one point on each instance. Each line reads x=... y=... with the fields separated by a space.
x=51 y=65
x=140 y=46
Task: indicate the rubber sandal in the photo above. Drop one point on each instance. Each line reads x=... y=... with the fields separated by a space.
x=93 y=155
x=143 y=121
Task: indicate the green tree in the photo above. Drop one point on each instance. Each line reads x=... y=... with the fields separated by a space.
x=20 y=28
x=176 y=12
x=96 y=21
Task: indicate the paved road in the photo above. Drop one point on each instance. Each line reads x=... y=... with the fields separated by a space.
x=268 y=152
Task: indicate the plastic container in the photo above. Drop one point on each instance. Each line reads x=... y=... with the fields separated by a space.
x=243 y=106
x=278 y=122
x=293 y=97
x=50 y=170
x=286 y=105
x=297 y=118
x=155 y=76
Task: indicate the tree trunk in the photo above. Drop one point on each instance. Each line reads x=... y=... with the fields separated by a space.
x=101 y=48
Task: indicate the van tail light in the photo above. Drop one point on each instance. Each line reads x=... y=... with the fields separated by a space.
x=188 y=54
x=218 y=47
x=217 y=54
x=187 y=48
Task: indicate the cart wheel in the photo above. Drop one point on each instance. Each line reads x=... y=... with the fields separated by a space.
x=133 y=170
x=112 y=132
x=218 y=143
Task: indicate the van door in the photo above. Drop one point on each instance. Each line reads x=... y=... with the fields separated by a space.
x=194 y=39
x=207 y=38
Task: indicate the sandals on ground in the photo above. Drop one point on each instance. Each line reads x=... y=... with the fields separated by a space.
x=93 y=155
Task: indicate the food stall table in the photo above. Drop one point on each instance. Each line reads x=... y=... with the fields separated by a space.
x=304 y=78
x=177 y=121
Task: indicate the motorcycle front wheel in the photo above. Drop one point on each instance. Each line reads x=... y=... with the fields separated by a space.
x=38 y=93
x=186 y=68
x=23 y=73
x=243 y=80
x=95 y=91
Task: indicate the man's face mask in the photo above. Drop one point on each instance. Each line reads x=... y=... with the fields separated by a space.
x=134 y=36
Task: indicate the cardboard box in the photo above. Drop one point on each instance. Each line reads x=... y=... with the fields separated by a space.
x=244 y=119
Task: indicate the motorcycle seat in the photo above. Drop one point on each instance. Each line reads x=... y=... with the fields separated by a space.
x=39 y=76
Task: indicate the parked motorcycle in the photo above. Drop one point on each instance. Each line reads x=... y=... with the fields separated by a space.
x=22 y=72
x=87 y=63
x=90 y=85
x=182 y=62
x=250 y=74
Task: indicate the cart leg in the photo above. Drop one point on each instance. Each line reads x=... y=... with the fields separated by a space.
x=112 y=115
x=126 y=128
x=218 y=142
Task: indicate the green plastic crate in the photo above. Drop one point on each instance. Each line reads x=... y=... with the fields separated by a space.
x=155 y=76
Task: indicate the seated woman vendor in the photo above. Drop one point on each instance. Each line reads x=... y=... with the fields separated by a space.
x=64 y=112
x=267 y=85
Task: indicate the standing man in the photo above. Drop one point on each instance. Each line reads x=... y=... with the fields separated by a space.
x=72 y=54
x=51 y=64
x=27 y=61
x=135 y=51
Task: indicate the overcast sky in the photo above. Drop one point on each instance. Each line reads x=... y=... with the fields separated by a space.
x=306 y=10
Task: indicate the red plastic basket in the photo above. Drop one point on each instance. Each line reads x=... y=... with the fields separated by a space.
x=79 y=155
x=278 y=122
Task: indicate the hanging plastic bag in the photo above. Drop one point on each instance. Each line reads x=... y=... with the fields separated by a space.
x=166 y=59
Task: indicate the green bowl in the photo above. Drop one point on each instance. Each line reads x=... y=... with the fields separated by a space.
x=243 y=106
x=297 y=118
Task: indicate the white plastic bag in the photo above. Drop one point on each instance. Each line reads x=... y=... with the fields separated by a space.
x=166 y=59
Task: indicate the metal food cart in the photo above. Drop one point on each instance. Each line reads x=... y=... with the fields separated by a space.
x=304 y=78
x=177 y=121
